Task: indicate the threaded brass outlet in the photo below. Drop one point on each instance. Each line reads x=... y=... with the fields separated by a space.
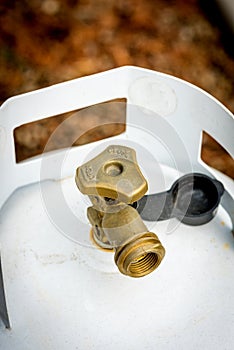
x=140 y=256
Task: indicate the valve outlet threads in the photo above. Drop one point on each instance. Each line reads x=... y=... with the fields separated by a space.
x=140 y=256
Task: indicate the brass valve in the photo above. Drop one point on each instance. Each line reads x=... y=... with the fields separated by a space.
x=113 y=181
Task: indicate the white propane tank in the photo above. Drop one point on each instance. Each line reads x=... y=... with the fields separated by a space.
x=57 y=289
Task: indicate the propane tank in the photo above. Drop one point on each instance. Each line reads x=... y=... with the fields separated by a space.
x=68 y=255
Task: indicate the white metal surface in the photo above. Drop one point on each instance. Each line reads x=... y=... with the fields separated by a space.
x=64 y=294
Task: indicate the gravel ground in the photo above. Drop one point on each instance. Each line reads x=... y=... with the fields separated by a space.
x=50 y=41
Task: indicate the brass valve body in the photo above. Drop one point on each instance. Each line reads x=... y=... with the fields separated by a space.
x=113 y=181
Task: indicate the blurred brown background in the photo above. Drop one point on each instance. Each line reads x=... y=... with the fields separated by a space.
x=50 y=41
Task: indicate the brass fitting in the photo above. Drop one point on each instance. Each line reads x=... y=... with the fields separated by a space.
x=113 y=181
